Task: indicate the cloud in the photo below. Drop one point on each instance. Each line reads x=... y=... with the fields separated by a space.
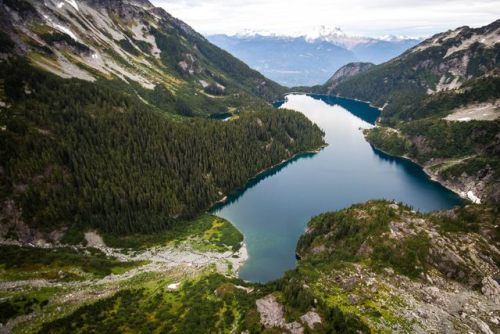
x=362 y=17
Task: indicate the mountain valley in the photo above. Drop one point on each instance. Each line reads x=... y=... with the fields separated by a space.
x=307 y=60
x=124 y=134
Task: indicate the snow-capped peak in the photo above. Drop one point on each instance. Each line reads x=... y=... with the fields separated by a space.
x=248 y=33
x=252 y=33
x=329 y=34
x=393 y=38
x=335 y=35
x=325 y=33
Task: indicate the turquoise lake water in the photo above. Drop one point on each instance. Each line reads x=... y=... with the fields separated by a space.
x=274 y=208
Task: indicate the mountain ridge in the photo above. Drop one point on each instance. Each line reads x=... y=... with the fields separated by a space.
x=108 y=39
x=345 y=72
x=293 y=60
x=333 y=35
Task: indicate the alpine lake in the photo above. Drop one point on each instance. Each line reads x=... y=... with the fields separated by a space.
x=272 y=210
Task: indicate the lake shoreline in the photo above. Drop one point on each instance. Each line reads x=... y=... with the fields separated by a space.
x=225 y=197
x=242 y=253
x=274 y=206
x=426 y=170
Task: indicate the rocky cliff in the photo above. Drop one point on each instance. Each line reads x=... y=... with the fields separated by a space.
x=402 y=271
x=346 y=72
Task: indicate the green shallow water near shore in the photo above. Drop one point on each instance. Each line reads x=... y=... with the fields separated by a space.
x=274 y=208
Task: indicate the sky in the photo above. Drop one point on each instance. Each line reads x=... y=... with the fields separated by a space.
x=415 y=18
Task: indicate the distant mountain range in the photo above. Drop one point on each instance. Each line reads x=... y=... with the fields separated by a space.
x=309 y=59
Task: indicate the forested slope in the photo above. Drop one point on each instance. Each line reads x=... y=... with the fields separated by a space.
x=77 y=153
x=105 y=119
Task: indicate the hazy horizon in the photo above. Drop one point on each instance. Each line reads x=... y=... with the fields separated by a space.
x=413 y=18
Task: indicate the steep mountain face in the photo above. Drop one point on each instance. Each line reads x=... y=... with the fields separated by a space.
x=308 y=60
x=444 y=62
x=346 y=72
x=127 y=40
x=103 y=120
x=442 y=97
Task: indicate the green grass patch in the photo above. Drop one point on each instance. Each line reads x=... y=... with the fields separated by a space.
x=206 y=233
x=42 y=29
x=66 y=264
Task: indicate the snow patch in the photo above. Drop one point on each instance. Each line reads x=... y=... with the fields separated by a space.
x=66 y=31
x=72 y=3
x=173 y=286
x=474 y=199
x=60 y=27
x=69 y=2
x=336 y=36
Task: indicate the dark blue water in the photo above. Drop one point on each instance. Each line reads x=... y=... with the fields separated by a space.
x=274 y=208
